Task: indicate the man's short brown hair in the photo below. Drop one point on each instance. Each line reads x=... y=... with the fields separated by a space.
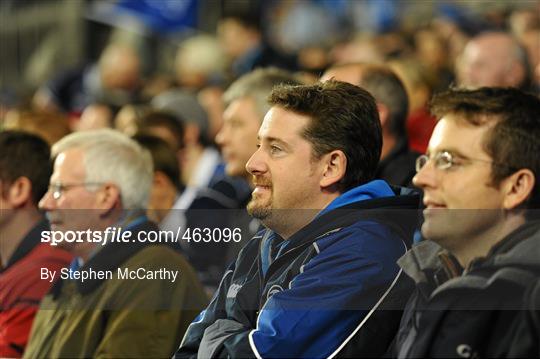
x=513 y=141
x=343 y=117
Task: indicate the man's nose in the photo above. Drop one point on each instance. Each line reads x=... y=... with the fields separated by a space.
x=426 y=177
x=256 y=163
x=221 y=136
x=47 y=202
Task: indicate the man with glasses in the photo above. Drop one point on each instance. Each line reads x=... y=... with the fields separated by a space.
x=482 y=253
x=120 y=297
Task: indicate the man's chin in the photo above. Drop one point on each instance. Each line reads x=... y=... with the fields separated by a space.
x=258 y=211
x=434 y=230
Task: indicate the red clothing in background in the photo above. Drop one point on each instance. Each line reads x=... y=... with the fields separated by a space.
x=420 y=125
x=21 y=288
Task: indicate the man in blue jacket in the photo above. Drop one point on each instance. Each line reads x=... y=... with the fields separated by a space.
x=322 y=278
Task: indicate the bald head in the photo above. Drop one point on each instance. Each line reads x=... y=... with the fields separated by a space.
x=120 y=67
x=351 y=73
x=492 y=59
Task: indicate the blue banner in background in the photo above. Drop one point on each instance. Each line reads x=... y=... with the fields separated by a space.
x=162 y=16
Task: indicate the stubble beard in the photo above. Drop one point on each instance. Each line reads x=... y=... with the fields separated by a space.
x=259 y=211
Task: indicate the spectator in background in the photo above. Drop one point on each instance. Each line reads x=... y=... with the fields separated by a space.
x=166 y=126
x=25 y=168
x=241 y=37
x=129 y=118
x=531 y=42
x=201 y=163
x=200 y=61
x=201 y=66
x=396 y=164
x=115 y=80
x=203 y=203
x=95 y=116
x=170 y=129
x=166 y=185
x=420 y=122
x=49 y=126
x=522 y=20
x=481 y=192
x=103 y=179
x=303 y=286
x=433 y=52
x=493 y=59
x=360 y=48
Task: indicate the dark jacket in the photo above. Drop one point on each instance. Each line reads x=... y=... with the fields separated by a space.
x=476 y=314
x=115 y=317
x=221 y=206
x=315 y=293
x=399 y=166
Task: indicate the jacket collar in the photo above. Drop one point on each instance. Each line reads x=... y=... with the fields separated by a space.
x=370 y=190
x=433 y=268
x=382 y=208
x=109 y=258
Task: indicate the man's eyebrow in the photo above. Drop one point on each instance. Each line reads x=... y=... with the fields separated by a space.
x=452 y=150
x=275 y=140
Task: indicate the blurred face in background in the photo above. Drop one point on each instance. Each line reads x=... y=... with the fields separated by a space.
x=235 y=38
x=238 y=135
x=489 y=61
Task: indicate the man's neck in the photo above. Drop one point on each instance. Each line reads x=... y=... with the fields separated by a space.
x=16 y=229
x=480 y=245
x=291 y=221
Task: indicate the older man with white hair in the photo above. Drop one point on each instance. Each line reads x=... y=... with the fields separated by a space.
x=124 y=296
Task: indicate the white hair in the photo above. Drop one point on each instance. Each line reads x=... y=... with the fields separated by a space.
x=110 y=156
x=201 y=54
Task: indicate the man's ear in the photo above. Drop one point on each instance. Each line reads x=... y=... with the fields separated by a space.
x=20 y=192
x=335 y=167
x=108 y=197
x=518 y=187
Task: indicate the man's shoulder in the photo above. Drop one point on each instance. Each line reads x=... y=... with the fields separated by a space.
x=365 y=239
x=164 y=255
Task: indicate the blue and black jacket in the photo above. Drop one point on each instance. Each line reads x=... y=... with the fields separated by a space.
x=319 y=293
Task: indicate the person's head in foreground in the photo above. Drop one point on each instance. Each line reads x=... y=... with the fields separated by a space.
x=315 y=143
x=475 y=297
x=482 y=164
x=98 y=178
x=311 y=283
